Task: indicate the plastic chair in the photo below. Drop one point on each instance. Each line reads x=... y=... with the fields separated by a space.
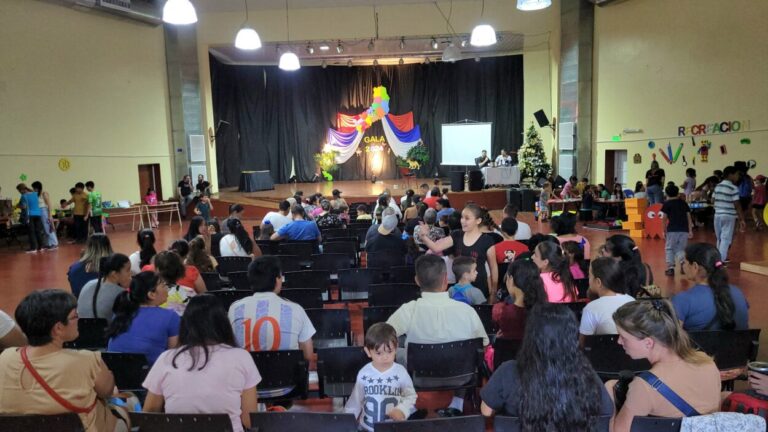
x=129 y=369
x=157 y=422
x=445 y=366
x=655 y=424
x=284 y=375
x=608 y=357
x=474 y=423
x=505 y=350
x=320 y=279
x=512 y=424
x=239 y=280
x=232 y=264
x=373 y=315
x=302 y=249
x=332 y=262
x=385 y=260
x=353 y=283
x=307 y=298
x=52 y=423
x=392 y=294
x=485 y=312
x=730 y=349
x=228 y=297
x=337 y=370
x=290 y=263
x=268 y=247
x=402 y=274
x=92 y=334
x=303 y=421
x=333 y=328
x=212 y=280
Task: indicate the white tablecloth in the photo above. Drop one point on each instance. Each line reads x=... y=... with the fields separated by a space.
x=501 y=175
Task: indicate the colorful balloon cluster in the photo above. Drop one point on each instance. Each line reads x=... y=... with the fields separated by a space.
x=378 y=109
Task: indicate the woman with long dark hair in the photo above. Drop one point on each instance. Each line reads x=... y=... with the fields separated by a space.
x=638 y=277
x=564 y=227
x=651 y=330
x=551 y=386
x=555 y=272
x=197 y=227
x=198 y=256
x=86 y=268
x=98 y=296
x=526 y=290
x=237 y=242
x=207 y=362
x=140 y=325
x=146 y=241
x=711 y=303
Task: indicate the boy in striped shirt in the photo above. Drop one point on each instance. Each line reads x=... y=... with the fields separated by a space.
x=727 y=210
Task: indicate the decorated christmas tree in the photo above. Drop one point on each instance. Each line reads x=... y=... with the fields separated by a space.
x=533 y=162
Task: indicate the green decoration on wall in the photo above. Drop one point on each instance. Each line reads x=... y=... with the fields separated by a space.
x=746 y=141
x=23 y=177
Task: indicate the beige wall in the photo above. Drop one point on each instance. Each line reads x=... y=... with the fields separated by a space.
x=661 y=64
x=81 y=86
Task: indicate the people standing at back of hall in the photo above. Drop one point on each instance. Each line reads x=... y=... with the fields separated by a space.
x=94 y=207
x=79 y=213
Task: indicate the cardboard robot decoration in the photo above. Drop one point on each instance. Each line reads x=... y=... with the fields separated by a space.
x=653 y=221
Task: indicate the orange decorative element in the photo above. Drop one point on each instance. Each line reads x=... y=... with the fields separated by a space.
x=653 y=219
x=402 y=122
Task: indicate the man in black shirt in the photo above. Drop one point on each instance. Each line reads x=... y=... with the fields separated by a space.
x=185 y=194
x=385 y=240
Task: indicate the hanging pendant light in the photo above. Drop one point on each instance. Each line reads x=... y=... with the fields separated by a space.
x=289 y=61
x=179 y=12
x=532 y=5
x=483 y=34
x=452 y=53
x=247 y=38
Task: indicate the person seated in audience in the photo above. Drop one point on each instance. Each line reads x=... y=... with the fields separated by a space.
x=373 y=230
x=385 y=200
x=443 y=207
x=638 y=277
x=465 y=270
x=238 y=242
x=605 y=282
x=509 y=248
x=424 y=190
x=640 y=190
x=523 y=229
x=266 y=230
x=395 y=399
x=198 y=256
x=312 y=208
x=712 y=303
x=407 y=201
x=431 y=200
x=434 y=232
x=435 y=318
x=10 y=333
x=551 y=386
x=279 y=218
x=651 y=330
x=555 y=272
x=575 y=255
x=206 y=363
x=415 y=214
x=362 y=212
x=170 y=267
x=190 y=276
x=524 y=290
x=564 y=227
x=146 y=240
x=337 y=201
x=197 y=227
x=213 y=245
x=327 y=219
x=298 y=229
x=385 y=240
x=235 y=212
x=48 y=319
x=86 y=268
x=618 y=191
x=98 y=296
x=581 y=185
x=140 y=325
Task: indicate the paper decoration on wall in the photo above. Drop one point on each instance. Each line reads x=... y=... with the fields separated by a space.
x=669 y=152
x=653 y=221
x=723 y=149
x=64 y=164
x=751 y=163
x=23 y=177
x=637 y=159
x=693 y=143
x=685 y=162
x=704 y=150
x=664 y=155
x=677 y=153
x=651 y=145
x=746 y=141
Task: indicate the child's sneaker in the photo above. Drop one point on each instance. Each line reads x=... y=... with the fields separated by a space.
x=670 y=271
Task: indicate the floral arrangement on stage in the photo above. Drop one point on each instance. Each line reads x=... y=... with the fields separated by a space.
x=327 y=162
x=533 y=162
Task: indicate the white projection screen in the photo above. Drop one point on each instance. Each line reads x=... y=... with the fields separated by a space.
x=463 y=142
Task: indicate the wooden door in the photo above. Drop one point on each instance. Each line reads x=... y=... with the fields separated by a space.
x=149 y=176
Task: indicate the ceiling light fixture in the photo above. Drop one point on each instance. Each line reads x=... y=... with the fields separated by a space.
x=402 y=43
x=324 y=47
x=310 y=48
x=452 y=53
x=401 y=61
x=247 y=38
x=483 y=34
x=532 y=5
x=339 y=48
x=433 y=44
x=289 y=61
x=371 y=45
x=179 y=12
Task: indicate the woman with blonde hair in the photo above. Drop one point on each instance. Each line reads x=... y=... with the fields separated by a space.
x=682 y=381
x=86 y=268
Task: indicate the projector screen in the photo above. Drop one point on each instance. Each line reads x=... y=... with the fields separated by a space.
x=463 y=142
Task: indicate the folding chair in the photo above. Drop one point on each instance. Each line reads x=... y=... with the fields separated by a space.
x=505 y=350
x=331 y=262
x=608 y=357
x=485 y=312
x=373 y=315
x=69 y=422
x=307 y=298
x=92 y=334
x=290 y=263
x=333 y=328
x=337 y=233
x=239 y=280
x=268 y=247
x=577 y=308
x=302 y=249
x=228 y=297
x=232 y=264
x=129 y=369
x=212 y=280
x=402 y=274
x=349 y=247
x=320 y=279
x=157 y=422
x=385 y=261
x=475 y=423
x=512 y=424
x=392 y=294
x=337 y=370
x=353 y=283
x=730 y=349
x=655 y=424
x=284 y=375
x=303 y=421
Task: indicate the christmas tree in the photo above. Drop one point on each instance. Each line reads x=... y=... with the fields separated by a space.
x=533 y=163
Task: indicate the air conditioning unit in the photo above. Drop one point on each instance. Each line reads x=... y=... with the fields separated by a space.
x=146 y=11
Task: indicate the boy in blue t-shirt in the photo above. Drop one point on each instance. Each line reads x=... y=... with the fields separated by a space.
x=679 y=227
x=465 y=270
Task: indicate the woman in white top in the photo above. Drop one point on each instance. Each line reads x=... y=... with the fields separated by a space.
x=146 y=240
x=44 y=202
x=237 y=242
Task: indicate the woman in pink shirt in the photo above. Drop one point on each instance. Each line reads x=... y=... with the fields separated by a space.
x=555 y=272
x=207 y=373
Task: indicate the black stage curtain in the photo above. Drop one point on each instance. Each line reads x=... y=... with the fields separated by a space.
x=276 y=116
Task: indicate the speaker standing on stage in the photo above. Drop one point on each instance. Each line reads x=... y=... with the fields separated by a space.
x=504 y=159
x=483 y=161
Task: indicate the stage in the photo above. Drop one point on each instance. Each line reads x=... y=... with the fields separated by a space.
x=259 y=203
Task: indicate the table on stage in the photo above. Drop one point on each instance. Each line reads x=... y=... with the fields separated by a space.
x=507 y=175
x=564 y=202
x=252 y=181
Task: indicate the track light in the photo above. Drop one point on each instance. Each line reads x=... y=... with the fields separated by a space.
x=375 y=62
x=371 y=45
x=339 y=48
x=324 y=64
x=401 y=61
x=310 y=49
x=179 y=12
x=349 y=63
x=464 y=43
x=324 y=47
x=434 y=44
x=402 y=43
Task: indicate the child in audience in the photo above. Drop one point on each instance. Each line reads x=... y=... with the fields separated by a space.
x=525 y=289
x=465 y=270
x=605 y=282
x=575 y=255
x=509 y=249
x=564 y=227
x=689 y=184
x=150 y=199
x=679 y=227
x=146 y=240
x=758 y=202
x=267 y=229
x=362 y=212
x=204 y=207
x=546 y=195
x=383 y=389
x=555 y=272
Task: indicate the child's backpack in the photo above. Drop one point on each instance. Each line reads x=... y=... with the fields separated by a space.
x=460 y=294
x=749 y=402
